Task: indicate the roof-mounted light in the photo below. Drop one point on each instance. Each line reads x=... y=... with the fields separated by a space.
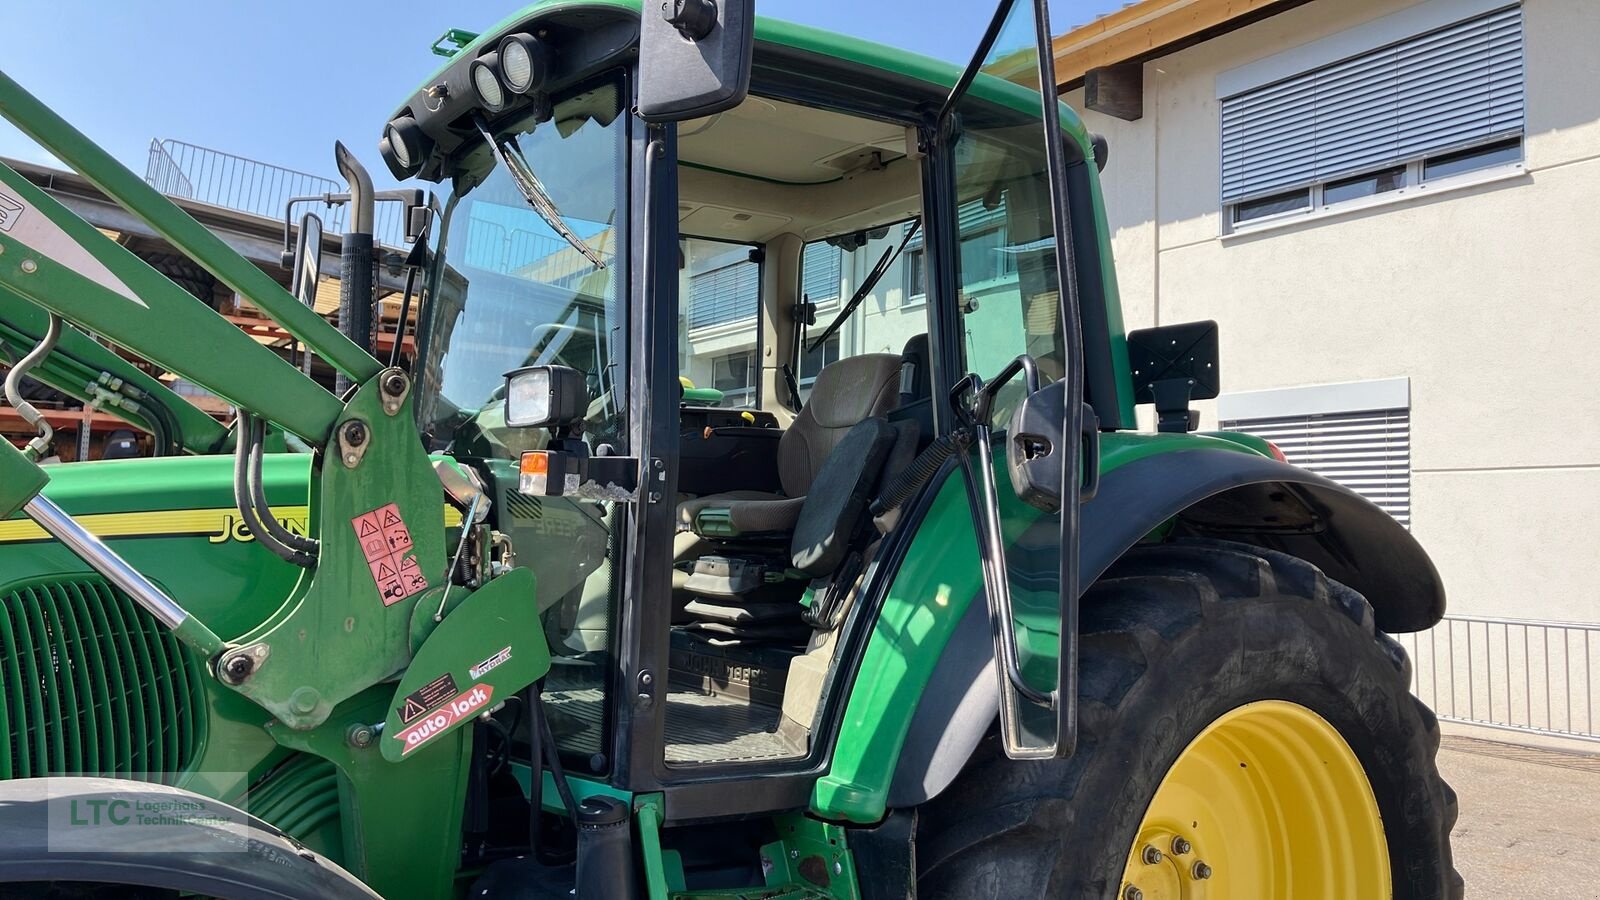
x=523 y=63
x=404 y=147
x=486 y=81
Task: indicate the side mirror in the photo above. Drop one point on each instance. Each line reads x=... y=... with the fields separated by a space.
x=546 y=396
x=694 y=57
x=1032 y=438
x=307 y=265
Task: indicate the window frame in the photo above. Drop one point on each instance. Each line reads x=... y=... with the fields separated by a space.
x=1416 y=184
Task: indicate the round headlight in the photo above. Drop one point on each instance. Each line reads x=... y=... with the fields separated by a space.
x=522 y=63
x=487 y=83
x=403 y=146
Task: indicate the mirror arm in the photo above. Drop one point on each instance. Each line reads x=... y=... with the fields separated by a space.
x=991 y=540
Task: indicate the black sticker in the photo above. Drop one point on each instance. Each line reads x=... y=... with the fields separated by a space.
x=427 y=697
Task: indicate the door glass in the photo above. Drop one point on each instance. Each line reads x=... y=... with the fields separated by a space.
x=1009 y=302
x=892 y=314
x=718 y=334
x=505 y=290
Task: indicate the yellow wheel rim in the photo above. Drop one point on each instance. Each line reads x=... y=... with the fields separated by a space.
x=1267 y=802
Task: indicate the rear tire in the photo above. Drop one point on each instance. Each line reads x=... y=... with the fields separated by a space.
x=1173 y=638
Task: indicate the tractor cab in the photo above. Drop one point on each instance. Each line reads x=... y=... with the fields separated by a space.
x=764 y=302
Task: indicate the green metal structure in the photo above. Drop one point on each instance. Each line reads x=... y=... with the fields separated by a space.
x=445 y=654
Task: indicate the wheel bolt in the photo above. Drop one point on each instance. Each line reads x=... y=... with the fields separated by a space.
x=1151 y=856
x=1201 y=871
x=1180 y=846
x=1132 y=893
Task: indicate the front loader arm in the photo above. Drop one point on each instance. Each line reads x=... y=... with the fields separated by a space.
x=84 y=369
x=58 y=262
x=130 y=191
x=375 y=565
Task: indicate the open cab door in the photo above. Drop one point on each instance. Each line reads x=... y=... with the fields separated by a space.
x=1021 y=403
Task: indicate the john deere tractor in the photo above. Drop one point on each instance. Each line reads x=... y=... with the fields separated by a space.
x=762 y=514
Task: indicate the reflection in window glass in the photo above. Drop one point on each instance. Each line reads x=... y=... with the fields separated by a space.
x=1272 y=206
x=1365 y=185
x=887 y=318
x=504 y=290
x=1503 y=153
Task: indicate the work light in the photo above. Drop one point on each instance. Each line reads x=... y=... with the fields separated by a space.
x=554 y=396
x=403 y=146
x=486 y=81
x=522 y=63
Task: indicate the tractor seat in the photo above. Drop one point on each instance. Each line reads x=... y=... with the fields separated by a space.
x=845 y=394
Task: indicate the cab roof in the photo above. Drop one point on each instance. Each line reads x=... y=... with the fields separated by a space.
x=609 y=30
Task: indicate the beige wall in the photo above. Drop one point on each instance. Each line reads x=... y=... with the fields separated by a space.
x=1487 y=298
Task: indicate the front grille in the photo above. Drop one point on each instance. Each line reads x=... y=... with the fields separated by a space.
x=92 y=684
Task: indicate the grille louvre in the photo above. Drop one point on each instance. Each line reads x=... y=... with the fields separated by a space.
x=91 y=684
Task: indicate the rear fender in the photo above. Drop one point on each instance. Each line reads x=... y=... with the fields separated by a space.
x=89 y=830
x=1221 y=494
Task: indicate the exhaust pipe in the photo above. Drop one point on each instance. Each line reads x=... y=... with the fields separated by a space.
x=356 y=270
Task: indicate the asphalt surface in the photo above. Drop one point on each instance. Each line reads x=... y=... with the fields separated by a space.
x=1530 y=820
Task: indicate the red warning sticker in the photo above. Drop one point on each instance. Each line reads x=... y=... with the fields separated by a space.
x=463 y=707
x=385 y=541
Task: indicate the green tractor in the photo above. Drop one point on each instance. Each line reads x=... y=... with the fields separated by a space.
x=692 y=554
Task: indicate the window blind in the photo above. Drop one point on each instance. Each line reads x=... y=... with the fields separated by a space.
x=1450 y=88
x=724 y=295
x=1368 y=452
x=820 y=272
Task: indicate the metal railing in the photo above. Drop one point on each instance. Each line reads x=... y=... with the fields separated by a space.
x=184 y=170
x=1524 y=675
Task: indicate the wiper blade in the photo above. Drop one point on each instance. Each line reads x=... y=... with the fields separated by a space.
x=890 y=254
x=534 y=192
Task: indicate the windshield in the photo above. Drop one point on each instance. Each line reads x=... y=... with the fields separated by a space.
x=513 y=285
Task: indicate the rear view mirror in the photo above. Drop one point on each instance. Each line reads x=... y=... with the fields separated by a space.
x=307 y=266
x=1172 y=365
x=694 y=57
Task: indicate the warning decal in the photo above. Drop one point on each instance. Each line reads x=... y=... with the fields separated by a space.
x=427 y=697
x=464 y=706
x=385 y=541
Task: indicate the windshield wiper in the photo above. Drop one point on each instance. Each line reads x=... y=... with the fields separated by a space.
x=890 y=254
x=522 y=175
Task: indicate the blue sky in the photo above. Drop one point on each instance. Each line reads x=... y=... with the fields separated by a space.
x=280 y=81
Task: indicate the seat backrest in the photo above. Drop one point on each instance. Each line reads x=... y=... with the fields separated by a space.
x=837 y=501
x=845 y=394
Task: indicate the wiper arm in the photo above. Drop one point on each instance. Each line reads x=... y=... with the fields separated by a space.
x=534 y=192
x=890 y=254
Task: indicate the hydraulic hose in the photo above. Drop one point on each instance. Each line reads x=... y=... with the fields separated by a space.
x=924 y=467
x=242 y=498
x=40 y=443
x=258 y=495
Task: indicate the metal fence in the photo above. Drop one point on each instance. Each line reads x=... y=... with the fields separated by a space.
x=1514 y=674
x=184 y=170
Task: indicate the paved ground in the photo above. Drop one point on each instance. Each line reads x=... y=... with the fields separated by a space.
x=1530 y=820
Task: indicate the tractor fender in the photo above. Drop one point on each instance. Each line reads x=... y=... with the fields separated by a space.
x=120 y=832
x=1222 y=494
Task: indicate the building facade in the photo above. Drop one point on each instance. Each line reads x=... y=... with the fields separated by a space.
x=1392 y=209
